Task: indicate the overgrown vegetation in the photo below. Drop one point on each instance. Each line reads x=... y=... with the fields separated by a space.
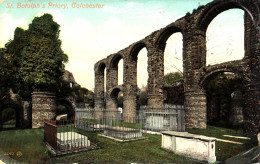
x=172 y=79
x=220 y=102
x=34 y=60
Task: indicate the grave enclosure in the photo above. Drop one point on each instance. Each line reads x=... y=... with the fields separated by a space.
x=196 y=74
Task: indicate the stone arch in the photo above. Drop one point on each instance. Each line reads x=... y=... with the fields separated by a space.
x=234 y=113
x=18 y=113
x=165 y=34
x=130 y=80
x=215 y=8
x=100 y=85
x=135 y=50
x=193 y=27
x=112 y=70
x=115 y=60
x=112 y=103
x=70 y=105
x=114 y=93
x=233 y=67
x=101 y=68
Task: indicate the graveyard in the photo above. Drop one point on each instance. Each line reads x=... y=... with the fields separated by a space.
x=146 y=150
x=209 y=114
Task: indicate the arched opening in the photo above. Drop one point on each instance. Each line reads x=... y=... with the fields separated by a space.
x=64 y=110
x=140 y=72
x=9 y=117
x=224 y=92
x=171 y=43
x=173 y=54
x=225 y=37
x=117 y=98
x=116 y=70
x=120 y=72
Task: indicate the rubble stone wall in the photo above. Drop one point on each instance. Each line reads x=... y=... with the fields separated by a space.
x=43 y=107
x=193 y=29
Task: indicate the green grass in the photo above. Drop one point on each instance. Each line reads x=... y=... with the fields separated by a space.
x=30 y=143
x=226 y=150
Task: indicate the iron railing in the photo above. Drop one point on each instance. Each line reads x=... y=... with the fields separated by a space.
x=67 y=136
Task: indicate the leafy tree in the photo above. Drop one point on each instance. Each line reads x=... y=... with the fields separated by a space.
x=172 y=79
x=120 y=101
x=34 y=58
x=82 y=95
x=42 y=62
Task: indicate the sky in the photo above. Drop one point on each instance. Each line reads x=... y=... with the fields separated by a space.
x=91 y=34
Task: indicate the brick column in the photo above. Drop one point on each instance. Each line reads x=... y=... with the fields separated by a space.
x=43 y=107
x=112 y=82
x=130 y=90
x=252 y=73
x=99 y=94
x=155 y=80
x=195 y=98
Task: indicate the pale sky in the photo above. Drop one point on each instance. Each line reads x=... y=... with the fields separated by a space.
x=89 y=35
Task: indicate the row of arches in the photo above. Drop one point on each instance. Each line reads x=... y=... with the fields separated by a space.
x=193 y=30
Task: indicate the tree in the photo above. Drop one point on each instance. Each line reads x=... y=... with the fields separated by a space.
x=42 y=62
x=34 y=57
x=3 y=73
x=172 y=79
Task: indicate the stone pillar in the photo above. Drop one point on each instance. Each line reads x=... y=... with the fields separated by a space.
x=194 y=55
x=130 y=90
x=112 y=82
x=155 y=94
x=252 y=73
x=43 y=107
x=99 y=94
x=111 y=109
x=196 y=109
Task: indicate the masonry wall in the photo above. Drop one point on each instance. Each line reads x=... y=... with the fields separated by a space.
x=43 y=107
x=193 y=28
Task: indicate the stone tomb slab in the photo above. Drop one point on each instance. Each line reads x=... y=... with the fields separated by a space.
x=122 y=133
x=198 y=147
x=71 y=140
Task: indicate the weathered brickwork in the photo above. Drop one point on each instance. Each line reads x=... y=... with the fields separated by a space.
x=196 y=74
x=43 y=107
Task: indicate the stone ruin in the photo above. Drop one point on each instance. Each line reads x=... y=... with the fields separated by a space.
x=196 y=74
x=43 y=106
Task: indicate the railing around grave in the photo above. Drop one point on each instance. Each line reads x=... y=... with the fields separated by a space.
x=50 y=133
x=63 y=136
x=171 y=117
x=116 y=127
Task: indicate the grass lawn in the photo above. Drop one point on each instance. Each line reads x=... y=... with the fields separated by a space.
x=30 y=143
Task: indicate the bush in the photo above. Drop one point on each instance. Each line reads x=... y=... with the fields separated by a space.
x=8 y=114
